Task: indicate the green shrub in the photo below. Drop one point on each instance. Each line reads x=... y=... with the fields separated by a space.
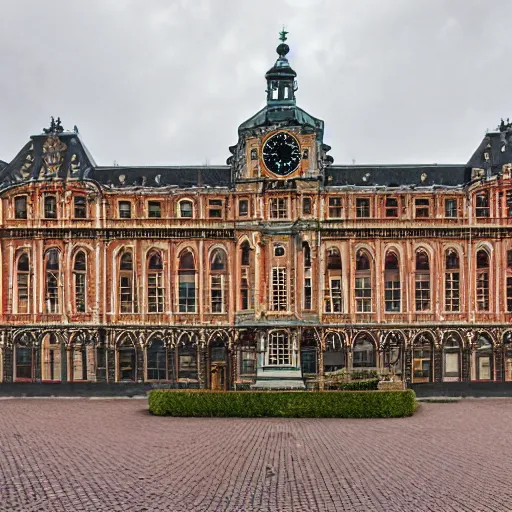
x=284 y=404
x=356 y=385
x=364 y=374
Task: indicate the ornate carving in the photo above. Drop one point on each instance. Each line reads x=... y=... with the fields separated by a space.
x=53 y=156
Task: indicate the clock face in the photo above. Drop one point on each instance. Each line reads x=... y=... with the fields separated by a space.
x=281 y=153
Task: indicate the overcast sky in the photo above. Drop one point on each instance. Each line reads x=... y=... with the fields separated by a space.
x=167 y=82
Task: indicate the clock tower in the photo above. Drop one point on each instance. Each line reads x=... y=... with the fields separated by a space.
x=281 y=141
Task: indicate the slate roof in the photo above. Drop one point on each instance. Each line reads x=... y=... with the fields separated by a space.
x=498 y=147
x=397 y=175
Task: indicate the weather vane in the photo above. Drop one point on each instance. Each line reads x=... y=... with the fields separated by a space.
x=282 y=35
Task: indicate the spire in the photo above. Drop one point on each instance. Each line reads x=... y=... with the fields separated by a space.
x=281 y=84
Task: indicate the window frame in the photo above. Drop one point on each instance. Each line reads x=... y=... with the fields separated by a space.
x=278 y=208
x=122 y=212
x=46 y=210
x=334 y=207
x=363 y=208
x=78 y=208
x=181 y=211
x=16 y=199
x=152 y=204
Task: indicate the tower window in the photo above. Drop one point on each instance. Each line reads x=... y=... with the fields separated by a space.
x=243 y=207
x=278 y=208
x=20 y=207
x=306 y=205
x=50 y=207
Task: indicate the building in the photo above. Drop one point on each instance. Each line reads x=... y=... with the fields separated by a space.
x=273 y=269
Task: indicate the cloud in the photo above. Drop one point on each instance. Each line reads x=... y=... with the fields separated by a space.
x=169 y=81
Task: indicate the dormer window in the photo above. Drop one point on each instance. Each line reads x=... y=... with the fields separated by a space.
x=186 y=209
x=20 y=207
x=50 y=207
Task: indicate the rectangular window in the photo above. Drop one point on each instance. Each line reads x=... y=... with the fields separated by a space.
x=334 y=299
x=450 y=208
x=126 y=292
x=308 y=292
x=509 y=294
x=362 y=207
x=125 y=210
x=482 y=291
x=215 y=208
x=245 y=296
x=482 y=205
x=23 y=283
x=278 y=208
x=509 y=203
x=217 y=293
x=154 y=209
x=50 y=207
x=20 y=207
x=306 y=206
x=278 y=350
x=334 y=207
x=422 y=208
x=157 y=364
x=422 y=292
x=392 y=296
x=187 y=295
x=248 y=363
x=421 y=364
x=80 y=205
x=243 y=208
x=279 y=289
x=391 y=207
x=363 y=293
x=52 y=292
x=23 y=362
x=451 y=364
x=452 y=291
x=155 y=293
x=80 y=292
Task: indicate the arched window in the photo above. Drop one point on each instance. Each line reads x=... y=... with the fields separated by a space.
x=308 y=277
x=128 y=300
x=508 y=282
x=246 y=282
x=483 y=358
x=363 y=353
x=156 y=361
x=52 y=357
x=392 y=291
x=482 y=281
x=187 y=283
x=218 y=281
x=78 y=354
x=363 y=283
x=393 y=351
x=422 y=358
x=155 y=283
x=80 y=281
x=422 y=281
x=308 y=353
x=451 y=357
x=186 y=209
x=23 y=284
x=334 y=352
x=187 y=360
x=333 y=295
x=279 y=350
x=127 y=361
x=52 y=281
x=452 y=281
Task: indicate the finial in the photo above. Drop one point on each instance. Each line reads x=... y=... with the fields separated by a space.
x=283 y=48
x=283 y=34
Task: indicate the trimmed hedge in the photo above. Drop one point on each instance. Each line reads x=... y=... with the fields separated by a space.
x=283 y=404
x=356 y=385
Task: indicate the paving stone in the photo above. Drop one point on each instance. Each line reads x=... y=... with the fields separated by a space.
x=104 y=455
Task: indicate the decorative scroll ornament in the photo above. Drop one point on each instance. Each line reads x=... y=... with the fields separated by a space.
x=53 y=155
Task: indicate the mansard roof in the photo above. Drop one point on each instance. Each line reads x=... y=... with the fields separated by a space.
x=494 y=151
x=398 y=175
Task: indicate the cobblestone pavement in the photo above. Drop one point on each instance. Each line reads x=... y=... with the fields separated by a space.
x=111 y=455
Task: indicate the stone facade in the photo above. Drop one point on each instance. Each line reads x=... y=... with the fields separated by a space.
x=276 y=264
